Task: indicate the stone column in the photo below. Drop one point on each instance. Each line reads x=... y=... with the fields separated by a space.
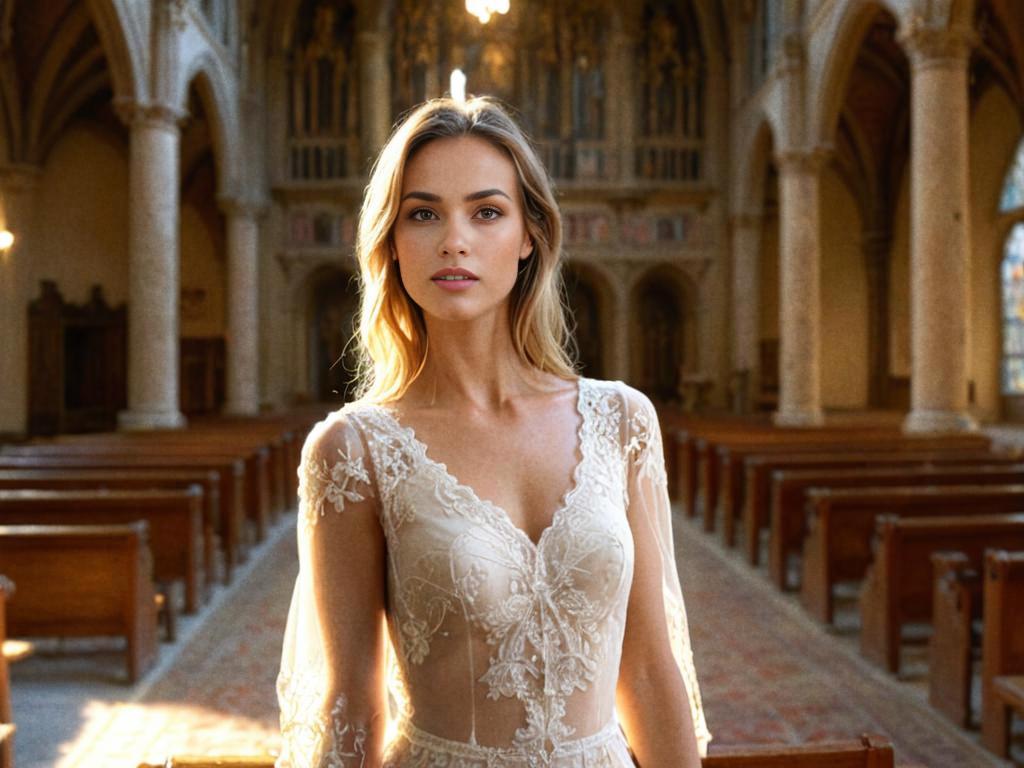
x=939 y=230
x=875 y=245
x=746 y=304
x=153 y=280
x=17 y=187
x=242 y=362
x=374 y=91
x=799 y=290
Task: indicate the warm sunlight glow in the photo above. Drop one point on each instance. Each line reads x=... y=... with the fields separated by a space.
x=6 y=240
x=458 y=85
x=484 y=9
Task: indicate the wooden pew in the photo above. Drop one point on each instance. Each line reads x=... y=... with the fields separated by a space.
x=790 y=486
x=724 y=463
x=868 y=752
x=1002 y=650
x=899 y=584
x=735 y=463
x=841 y=524
x=83 y=581
x=256 y=505
x=956 y=609
x=6 y=718
x=129 y=480
x=231 y=474
x=174 y=519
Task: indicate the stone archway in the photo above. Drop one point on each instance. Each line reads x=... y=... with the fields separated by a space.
x=662 y=333
x=588 y=305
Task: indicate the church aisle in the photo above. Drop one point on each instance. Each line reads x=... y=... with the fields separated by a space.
x=768 y=674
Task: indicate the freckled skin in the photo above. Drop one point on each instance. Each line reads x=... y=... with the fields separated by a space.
x=486 y=236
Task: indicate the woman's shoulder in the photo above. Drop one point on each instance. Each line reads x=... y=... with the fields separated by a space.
x=341 y=429
x=632 y=400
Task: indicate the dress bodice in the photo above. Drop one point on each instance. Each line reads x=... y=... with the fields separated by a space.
x=507 y=647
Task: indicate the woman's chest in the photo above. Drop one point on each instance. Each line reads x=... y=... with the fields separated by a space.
x=450 y=551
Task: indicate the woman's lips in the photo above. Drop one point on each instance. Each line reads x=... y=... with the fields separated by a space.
x=454 y=279
x=454 y=283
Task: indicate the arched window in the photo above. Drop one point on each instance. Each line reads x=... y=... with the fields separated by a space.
x=323 y=122
x=673 y=71
x=1013 y=190
x=1012 y=202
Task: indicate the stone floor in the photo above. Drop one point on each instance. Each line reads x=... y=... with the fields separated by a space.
x=768 y=674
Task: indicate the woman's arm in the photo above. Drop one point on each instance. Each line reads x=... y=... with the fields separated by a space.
x=657 y=696
x=332 y=682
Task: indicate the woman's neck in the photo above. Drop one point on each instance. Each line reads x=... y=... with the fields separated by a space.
x=472 y=364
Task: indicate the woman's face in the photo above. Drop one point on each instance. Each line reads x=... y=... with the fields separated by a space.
x=460 y=233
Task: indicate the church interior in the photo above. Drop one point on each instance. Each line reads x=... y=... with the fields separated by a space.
x=796 y=225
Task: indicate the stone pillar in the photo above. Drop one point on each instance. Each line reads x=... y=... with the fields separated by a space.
x=153 y=280
x=799 y=290
x=746 y=305
x=242 y=362
x=940 y=234
x=17 y=187
x=374 y=91
x=875 y=245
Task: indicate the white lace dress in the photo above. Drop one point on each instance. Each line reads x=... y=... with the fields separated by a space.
x=503 y=652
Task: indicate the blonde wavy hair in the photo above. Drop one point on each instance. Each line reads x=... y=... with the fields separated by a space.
x=392 y=334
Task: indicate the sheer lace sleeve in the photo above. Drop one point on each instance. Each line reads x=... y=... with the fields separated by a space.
x=649 y=502
x=331 y=682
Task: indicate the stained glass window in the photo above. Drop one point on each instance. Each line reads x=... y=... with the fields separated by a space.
x=1013 y=191
x=1013 y=312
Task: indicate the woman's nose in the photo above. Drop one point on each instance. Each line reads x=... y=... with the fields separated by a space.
x=454 y=242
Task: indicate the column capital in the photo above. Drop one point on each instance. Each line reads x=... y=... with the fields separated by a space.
x=19 y=177
x=242 y=207
x=810 y=160
x=933 y=45
x=151 y=115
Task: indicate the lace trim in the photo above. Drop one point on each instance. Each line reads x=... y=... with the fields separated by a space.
x=313 y=738
x=438 y=747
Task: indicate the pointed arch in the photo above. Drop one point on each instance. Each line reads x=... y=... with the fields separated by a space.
x=829 y=93
x=1012 y=197
x=215 y=90
x=124 y=46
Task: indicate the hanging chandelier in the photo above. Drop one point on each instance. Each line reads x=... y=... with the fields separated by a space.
x=484 y=9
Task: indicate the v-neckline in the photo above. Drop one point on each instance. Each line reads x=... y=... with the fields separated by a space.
x=565 y=501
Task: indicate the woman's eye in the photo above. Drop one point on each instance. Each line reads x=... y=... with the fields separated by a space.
x=421 y=214
x=489 y=214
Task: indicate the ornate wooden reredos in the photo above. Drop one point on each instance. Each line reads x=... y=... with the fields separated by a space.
x=77 y=363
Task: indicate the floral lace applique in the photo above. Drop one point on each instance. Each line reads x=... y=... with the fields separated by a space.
x=320 y=482
x=313 y=738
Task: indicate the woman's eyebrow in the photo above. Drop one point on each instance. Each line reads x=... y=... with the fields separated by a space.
x=430 y=197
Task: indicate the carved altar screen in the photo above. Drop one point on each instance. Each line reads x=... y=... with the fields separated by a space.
x=323 y=98
x=546 y=60
x=672 y=73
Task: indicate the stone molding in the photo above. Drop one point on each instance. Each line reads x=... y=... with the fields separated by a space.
x=802 y=161
x=241 y=207
x=19 y=177
x=149 y=115
x=929 y=45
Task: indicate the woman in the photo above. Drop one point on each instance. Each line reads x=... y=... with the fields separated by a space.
x=486 y=561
